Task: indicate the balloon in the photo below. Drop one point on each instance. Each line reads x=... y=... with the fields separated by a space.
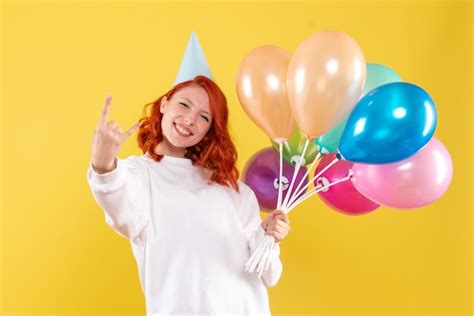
x=261 y=173
x=414 y=182
x=261 y=89
x=293 y=148
x=378 y=75
x=329 y=141
x=389 y=124
x=342 y=197
x=326 y=75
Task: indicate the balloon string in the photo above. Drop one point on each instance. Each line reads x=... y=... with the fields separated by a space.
x=268 y=242
x=312 y=180
x=259 y=255
x=255 y=254
x=295 y=172
x=279 y=178
x=264 y=250
x=265 y=257
x=296 y=193
x=318 y=188
x=250 y=266
x=271 y=250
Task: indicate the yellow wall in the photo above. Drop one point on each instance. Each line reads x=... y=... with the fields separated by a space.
x=61 y=59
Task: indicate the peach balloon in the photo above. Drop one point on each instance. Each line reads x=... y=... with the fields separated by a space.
x=326 y=76
x=261 y=89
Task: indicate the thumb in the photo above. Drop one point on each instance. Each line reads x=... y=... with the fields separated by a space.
x=131 y=130
x=277 y=212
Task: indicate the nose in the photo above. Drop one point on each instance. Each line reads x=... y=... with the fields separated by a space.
x=189 y=119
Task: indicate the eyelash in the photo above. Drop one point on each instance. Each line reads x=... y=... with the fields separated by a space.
x=187 y=106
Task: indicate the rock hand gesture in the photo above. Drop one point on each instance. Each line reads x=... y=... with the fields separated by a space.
x=107 y=140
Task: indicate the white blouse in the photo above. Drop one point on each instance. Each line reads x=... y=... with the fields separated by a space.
x=190 y=239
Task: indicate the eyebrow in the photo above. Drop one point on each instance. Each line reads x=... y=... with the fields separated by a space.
x=195 y=105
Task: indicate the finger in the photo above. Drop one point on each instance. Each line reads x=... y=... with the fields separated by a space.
x=131 y=130
x=278 y=236
x=276 y=213
x=112 y=125
x=271 y=232
x=283 y=218
x=283 y=224
x=105 y=111
x=277 y=226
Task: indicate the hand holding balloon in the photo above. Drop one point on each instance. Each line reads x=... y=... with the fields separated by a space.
x=277 y=224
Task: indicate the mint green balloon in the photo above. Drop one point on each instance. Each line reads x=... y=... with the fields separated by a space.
x=293 y=148
x=329 y=141
x=376 y=76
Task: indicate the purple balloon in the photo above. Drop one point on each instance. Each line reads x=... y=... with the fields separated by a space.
x=342 y=197
x=414 y=182
x=261 y=173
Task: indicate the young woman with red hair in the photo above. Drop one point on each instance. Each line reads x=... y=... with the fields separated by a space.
x=191 y=222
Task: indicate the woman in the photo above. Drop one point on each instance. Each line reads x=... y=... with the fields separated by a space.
x=191 y=223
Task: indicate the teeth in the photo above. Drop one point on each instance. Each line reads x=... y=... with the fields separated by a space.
x=184 y=131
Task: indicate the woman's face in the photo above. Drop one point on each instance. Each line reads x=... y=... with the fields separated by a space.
x=186 y=116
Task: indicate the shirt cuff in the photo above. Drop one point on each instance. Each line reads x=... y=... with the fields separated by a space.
x=103 y=178
x=109 y=181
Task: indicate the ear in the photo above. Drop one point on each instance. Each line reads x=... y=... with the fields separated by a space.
x=164 y=101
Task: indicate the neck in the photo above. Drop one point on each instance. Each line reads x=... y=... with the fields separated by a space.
x=166 y=148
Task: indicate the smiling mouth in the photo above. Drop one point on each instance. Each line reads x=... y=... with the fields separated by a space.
x=182 y=132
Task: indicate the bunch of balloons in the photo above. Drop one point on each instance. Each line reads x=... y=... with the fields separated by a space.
x=373 y=131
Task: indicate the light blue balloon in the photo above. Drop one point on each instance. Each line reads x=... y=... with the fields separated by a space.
x=389 y=124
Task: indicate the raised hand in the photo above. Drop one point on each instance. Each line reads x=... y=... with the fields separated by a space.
x=107 y=140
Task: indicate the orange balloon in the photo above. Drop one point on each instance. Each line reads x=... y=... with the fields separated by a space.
x=261 y=89
x=326 y=76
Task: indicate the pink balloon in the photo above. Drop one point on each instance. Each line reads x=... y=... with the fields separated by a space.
x=414 y=182
x=342 y=197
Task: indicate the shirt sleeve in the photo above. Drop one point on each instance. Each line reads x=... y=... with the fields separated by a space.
x=254 y=233
x=121 y=195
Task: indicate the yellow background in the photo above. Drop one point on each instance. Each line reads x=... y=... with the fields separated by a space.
x=59 y=60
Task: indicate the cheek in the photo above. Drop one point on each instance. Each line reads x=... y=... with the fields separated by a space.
x=166 y=125
x=202 y=131
x=203 y=127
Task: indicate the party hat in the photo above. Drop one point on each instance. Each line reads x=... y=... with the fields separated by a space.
x=193 y=63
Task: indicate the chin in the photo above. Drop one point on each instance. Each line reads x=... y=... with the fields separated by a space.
x=177 y=144
x=182 y=144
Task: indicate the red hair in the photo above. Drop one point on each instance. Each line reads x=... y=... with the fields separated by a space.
x=215 y=152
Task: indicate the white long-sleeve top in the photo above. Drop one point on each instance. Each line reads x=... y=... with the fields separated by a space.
x=190 y=239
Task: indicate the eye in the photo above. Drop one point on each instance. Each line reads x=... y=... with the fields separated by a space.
x=205 y=117
x=184 y=104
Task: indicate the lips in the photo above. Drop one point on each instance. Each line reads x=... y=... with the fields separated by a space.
x=182 y=131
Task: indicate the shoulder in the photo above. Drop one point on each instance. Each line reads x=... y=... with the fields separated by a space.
x=245 y=193
x=247 y=200
x=238 y=198
x=136 y=163
x=244 y=188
